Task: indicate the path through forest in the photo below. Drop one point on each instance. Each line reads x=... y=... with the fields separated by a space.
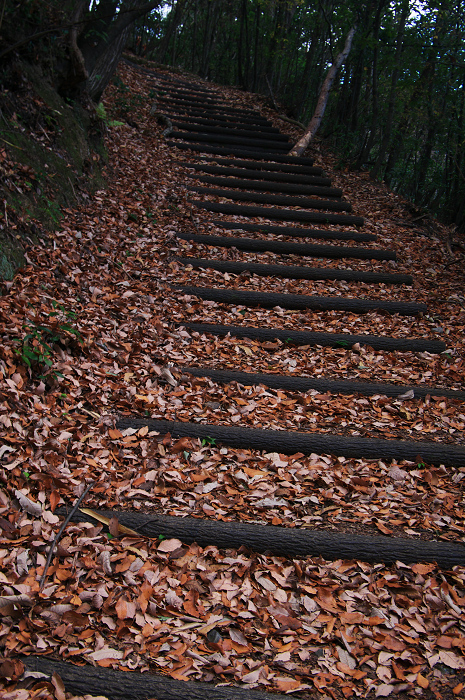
x=296 y=531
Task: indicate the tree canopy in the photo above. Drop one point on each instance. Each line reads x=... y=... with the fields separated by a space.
x=396 y=107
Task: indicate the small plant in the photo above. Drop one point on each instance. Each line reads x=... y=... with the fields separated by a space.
x=102 y=114
x=38 y=345
x=53 y=210
x=208 y=441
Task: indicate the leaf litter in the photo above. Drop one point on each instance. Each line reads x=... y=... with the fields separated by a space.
x=343 y=628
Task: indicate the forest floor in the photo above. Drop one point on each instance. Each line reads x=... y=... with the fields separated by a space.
x=90 y=332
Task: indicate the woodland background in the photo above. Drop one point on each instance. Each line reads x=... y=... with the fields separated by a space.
x=397 y=105
x=396 y=109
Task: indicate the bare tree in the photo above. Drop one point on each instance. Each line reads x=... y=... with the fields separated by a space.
x=318 y=114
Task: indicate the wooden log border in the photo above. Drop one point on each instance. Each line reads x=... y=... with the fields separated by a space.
x=234 y=140
x=232 y=131
x=247 y=153
x=296 y=272
x=220 y=122
x=280 y=214
x=258 y=174
x=296 y=232
x=269 y=300
x=265 y=186
x=288 y=542
x=304 y=202
x=278 y=165
x=133 y=685
x=261 y=245
x=291 y=442
x=294 y=337
x=334 y=386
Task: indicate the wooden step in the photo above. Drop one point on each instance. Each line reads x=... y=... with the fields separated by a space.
x=222 y=122
x=275 y=214
x=268 y=300
x=270 y=159
x=293 y=232
x=264 y=186
x=296 y=272
x=334 y=340
x=286 y=542
x=211 y=138
x=260 y=245
x=233 y=130
x=333 y=386
x=259 y=174
x=282 y=164
x=291 y=442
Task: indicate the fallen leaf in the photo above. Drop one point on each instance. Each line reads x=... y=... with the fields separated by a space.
x=169 y=545
x=29 y=506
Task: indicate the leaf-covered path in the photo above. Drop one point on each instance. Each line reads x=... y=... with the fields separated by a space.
x=109 y=374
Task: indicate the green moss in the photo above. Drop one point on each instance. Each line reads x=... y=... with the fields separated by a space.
x=58 y=168
x=11 y=258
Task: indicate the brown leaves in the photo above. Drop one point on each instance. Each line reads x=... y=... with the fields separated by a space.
x=343 y=628
x=11 y=669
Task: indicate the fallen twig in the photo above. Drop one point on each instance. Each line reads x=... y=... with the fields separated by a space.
x=60 y=532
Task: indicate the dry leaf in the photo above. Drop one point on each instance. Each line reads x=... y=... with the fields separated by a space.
x=29 y=506
x=169 y=545
x=452 y=660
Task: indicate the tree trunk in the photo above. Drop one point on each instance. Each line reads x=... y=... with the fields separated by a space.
x=369 y=142
x=101 y=61
x=211 y=27
x=173 y=24
x=422 y=86
x=315 y=122
x=77 y=72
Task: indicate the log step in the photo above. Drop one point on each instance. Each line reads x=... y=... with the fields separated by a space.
x=259 y=174
x=280 y=214
x=296 y=272
x=291 y=442
x=334 y=340
x=187 y=87
x=224 y=151
x=269 y=300
x=291 y=543
x=295 y=232
x=188 y=113
x=272 y=161
x=185 y=93
x=179 y=84
x=233 y=131
x=304 y=202
x=223 y=109
x=165 y=95
x=234 y=140
x=260 y=245
x=333 y=386
x=134 y=685
x=221 y=122
x=283 y=164
x=262 y=186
